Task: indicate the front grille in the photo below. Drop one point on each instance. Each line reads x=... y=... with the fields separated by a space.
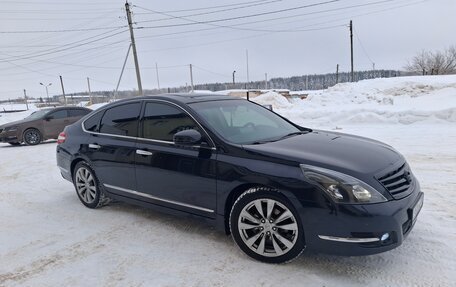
x=398 y=182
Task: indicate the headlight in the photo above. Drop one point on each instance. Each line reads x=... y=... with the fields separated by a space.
x=11 y=129
x=342 y=187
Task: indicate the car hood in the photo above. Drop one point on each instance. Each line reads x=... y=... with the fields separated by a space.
x=15 y=123
x=337 y=151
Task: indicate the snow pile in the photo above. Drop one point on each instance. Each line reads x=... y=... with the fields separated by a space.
x=402 y=100
x=276 y=100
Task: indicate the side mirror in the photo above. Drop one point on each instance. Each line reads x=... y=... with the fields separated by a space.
x=187 y=137
x=48 y=118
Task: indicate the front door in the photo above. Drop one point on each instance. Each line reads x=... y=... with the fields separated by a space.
x=182 y=178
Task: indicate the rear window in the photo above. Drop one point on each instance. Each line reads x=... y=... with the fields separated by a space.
x=77 y=112
x=121 y=120
x=92 y=124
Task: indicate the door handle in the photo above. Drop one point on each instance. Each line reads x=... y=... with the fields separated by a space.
x=94 y=146
x=143 y=152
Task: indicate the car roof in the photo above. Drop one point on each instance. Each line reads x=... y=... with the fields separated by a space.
x=185 y=98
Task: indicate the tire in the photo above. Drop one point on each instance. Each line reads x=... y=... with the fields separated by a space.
x=32 y=137
x=15 y=143
x=87 y=185
x=273 y=236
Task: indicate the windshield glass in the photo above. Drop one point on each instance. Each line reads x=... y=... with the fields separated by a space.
x=243 y=122
x=38 y=114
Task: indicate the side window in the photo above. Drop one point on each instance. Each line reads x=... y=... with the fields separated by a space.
x=77 y=112
x=58 y=115
x=162 y=121
x=92 y=124
x=121 y=120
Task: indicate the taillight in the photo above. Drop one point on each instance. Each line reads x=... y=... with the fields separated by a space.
x=62 y=137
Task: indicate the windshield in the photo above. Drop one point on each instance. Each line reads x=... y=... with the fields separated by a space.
x=38 y=114
x=243 y=122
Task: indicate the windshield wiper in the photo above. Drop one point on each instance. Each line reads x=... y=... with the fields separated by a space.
x=278 y=139
x=290 y=134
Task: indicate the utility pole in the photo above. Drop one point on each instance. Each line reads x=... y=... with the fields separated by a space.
x=265 y=81
x=234 y=79
x=351 y=51
x=247 y=60
x=133 y=45
x=373 y=70
x=63 y=91
x=337 y=73
x=158 y=79
x=90 y=92
x=191 y=78
x=25 y=98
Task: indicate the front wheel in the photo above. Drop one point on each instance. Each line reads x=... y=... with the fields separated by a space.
x=88 y=187
x=266 y=226
x=32 y=137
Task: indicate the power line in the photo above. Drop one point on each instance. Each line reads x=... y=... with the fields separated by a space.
x=61 y=31
x=212 y=7
x=362 y=46
x=75 y=45
x=211 y=72
x=231 y=18
x=211 y=12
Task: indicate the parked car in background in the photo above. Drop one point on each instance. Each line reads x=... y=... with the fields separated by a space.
x=41 y=125
x=275 y=186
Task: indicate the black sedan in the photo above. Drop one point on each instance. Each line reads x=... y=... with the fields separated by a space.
x=277 y=187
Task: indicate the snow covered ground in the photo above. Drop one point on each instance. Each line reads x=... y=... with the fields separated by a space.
x=47 y=238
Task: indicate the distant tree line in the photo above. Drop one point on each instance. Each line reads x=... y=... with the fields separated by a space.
x=305 y=82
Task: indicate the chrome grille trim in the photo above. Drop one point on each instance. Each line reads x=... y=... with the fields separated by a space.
x=399 y=182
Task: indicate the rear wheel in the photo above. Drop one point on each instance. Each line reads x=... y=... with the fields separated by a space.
x=266 y=226
x=32 y=137
x=88 y=187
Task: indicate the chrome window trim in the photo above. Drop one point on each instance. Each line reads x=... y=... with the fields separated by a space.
x=152 y=140
x=158 y=198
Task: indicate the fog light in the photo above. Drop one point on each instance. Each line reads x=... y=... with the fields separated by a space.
x=385 y=237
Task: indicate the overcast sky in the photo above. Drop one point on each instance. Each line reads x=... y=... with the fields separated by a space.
x=41 y=40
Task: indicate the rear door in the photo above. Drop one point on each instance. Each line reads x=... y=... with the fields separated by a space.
x=182 y=178
x=111 y=146
x=54 y=123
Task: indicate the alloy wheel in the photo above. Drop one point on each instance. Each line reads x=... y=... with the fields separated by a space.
x=32 y=137
x=86 y=185
x=268 y=227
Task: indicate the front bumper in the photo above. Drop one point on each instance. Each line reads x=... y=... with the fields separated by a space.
x=7 y=137
x=354 y=230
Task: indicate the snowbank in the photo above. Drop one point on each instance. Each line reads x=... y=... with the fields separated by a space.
x=402 y=100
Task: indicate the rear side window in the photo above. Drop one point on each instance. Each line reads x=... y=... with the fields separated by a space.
x=58 y=115
x=77 y=112
x=92 y=124
x=121 y=120
x=162 y=121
